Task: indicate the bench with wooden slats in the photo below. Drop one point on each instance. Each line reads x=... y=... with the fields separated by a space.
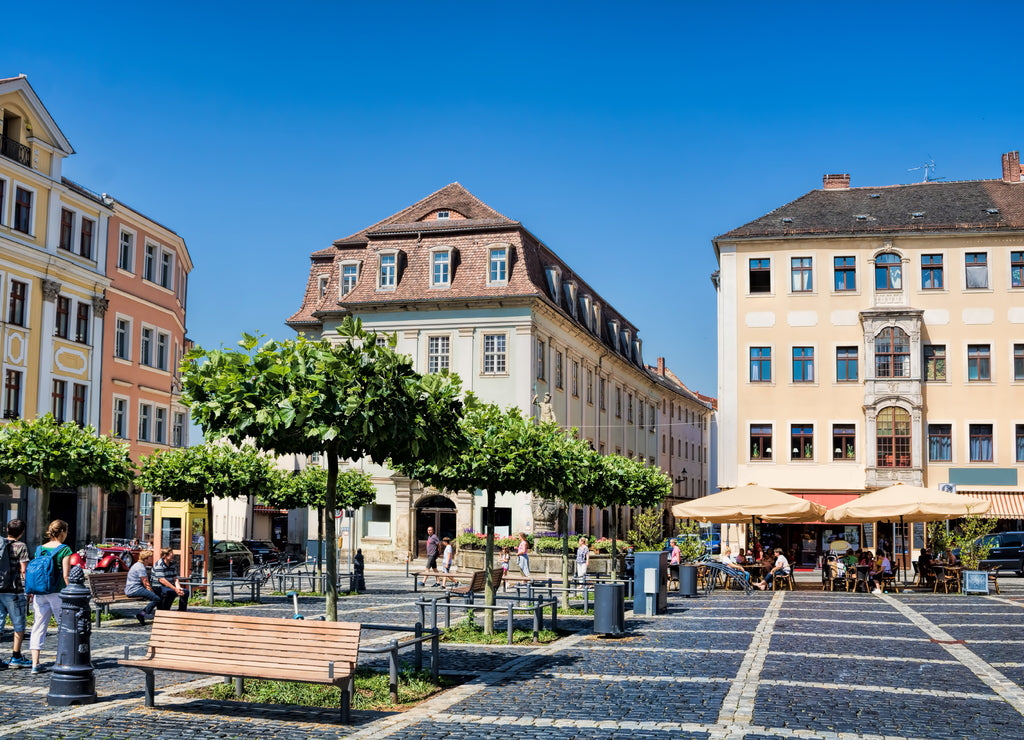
x=107 y=589
x=251 y=647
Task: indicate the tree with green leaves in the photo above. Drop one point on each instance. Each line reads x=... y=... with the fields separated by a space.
x=206 y=472
x=503 y=451
x=45 y=454
x=308 y=489
x=621 y=481
x=347 y=399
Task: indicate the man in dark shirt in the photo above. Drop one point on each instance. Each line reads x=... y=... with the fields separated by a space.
x=433 y=542
x=168 y=586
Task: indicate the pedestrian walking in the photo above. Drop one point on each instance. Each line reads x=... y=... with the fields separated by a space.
x=13 y=602
x=138 y=585
x=448 y=559
x=168 y=583
x=46 y=598
x=582 y=558
x=522 y=554
x=433 y=543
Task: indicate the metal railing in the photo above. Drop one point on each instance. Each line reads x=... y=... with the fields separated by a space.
x=422 y=635
x=537 y=608
x=15 y=150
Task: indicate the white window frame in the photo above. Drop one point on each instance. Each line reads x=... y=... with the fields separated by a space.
x=5 y=199
x=439 y=353
x=357 y=265
x=321 y=285
x=160 y=423
x=387 y=280
x=178 y=429
x=119 y=408
x=445 y=263
x=126 y=249
x=502 y=279
x=32 y=210
x=127 y=355
x=163 y=351
x=500 y=356
x=166 y=269
x=147 y=343
x=150 y=254
x=145 y=434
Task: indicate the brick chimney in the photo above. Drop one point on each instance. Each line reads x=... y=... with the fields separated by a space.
x=661 y=366
x=836 y=182
x=1011 y=167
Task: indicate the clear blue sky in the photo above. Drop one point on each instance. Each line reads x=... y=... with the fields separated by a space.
x=624 y=135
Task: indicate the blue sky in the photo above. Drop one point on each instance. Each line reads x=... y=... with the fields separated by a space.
x=624 y=135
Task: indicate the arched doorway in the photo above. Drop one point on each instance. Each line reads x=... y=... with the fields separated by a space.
x=437 y=512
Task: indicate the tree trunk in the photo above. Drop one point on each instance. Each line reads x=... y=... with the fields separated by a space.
x=331 y=551
x=489 y=595
x=321 y=523
x=207 y=561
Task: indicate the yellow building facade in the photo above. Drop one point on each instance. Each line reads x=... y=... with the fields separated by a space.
x=875 y=335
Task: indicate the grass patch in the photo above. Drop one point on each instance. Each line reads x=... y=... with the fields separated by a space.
x=467 y=631
x=200 y=600
x=371 y=691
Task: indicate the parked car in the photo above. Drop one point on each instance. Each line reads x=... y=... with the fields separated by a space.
x=1007 y=551
x=264 y=551
x=230 y=558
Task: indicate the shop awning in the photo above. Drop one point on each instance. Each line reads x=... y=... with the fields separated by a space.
x=1005 y=504
x=262 y=509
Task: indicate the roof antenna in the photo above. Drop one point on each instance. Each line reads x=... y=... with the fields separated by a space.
x=928 y=168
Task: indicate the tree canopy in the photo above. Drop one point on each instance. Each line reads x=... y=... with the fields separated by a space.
x=206 y=472
x=349 y=399
x=46 y=454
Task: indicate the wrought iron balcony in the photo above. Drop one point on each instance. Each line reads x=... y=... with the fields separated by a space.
x=16 y=151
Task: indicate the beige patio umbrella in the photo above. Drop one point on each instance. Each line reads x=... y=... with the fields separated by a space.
x=747 y=504
x=904 y=504
x=743 y=503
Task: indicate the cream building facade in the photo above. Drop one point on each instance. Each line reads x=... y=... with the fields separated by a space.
x=465 y=288
x=875 y=335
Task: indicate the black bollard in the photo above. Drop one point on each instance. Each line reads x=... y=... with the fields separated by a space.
x=72 y=681
x=357 y=572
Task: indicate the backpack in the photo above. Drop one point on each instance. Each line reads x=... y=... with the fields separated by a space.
x=44 y=574
x=6 y=567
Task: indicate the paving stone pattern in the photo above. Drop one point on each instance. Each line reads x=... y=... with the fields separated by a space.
x=765 y=666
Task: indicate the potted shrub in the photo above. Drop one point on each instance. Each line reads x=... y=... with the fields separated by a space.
x=973 y=545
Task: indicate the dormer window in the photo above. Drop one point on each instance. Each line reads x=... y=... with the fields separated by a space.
x=497 y=271
x=441 y=268
x=321 y=285
x=595 y=322
x=443 y=215
x=626 y=342
x=349 y=276
x=570 y=298
x=554 y=276
x=387 y=276
x=586 y=308
x=613 y=333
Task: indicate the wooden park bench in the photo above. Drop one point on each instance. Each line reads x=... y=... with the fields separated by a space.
x=251 y=647
x=107 y=589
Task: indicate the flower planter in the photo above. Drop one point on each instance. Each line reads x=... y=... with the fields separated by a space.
x=540 y=564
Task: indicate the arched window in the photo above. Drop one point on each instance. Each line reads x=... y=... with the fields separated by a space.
x=888 y=272
x=892 y=353
x=892 y=437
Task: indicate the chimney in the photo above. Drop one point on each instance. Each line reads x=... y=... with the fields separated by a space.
x=836 y=182
x=1011 y=167
x=661 y=366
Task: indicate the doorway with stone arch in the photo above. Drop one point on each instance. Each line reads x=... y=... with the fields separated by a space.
x=437 y=512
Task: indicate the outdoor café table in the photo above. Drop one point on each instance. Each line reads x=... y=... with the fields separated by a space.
x=756 y=571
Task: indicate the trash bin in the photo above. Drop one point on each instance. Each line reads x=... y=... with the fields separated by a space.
x=609 y=609
x=687 y=580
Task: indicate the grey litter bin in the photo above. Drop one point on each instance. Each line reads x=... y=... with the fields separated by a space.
x=688 y=580
x=609 y=609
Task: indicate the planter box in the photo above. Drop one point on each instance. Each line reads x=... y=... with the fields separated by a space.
x=540 y=564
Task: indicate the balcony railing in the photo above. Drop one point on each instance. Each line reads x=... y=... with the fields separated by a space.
x=16 y=151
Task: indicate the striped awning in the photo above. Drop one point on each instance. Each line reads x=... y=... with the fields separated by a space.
x=1005 y=504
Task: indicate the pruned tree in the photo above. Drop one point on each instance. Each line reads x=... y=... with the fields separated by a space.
x=206 y=472
x=308 y=489
x=503 y=451
x=45 y=454
x=348 y=400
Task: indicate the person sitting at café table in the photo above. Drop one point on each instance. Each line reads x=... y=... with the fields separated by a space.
x=924 y=564
x=850 y=559
x=741 y=557
x=730 y=563
x=880 y=568
x=781 y=568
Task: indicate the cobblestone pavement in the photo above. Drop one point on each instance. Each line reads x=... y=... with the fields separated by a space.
x=802 y=664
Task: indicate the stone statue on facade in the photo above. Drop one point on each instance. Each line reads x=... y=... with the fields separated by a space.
x=545 y=514
x=547 y=411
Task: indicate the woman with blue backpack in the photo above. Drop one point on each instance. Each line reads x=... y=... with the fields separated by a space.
x=45 y=576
